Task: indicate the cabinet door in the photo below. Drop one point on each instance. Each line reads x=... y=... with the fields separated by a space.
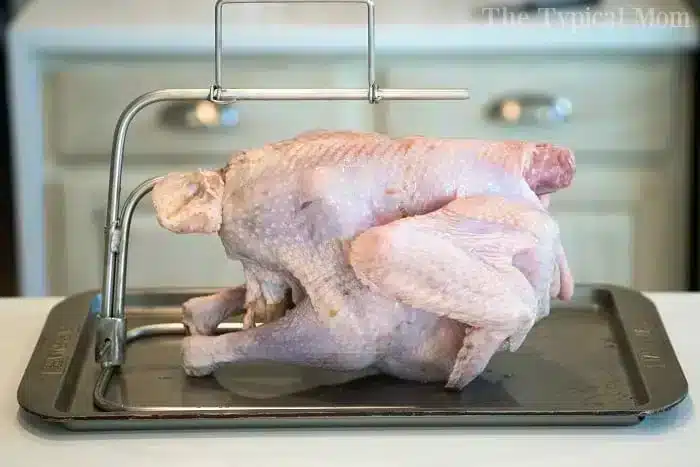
x=156 y=257
x=623 y=221
x=621 y=227
x=591 y=103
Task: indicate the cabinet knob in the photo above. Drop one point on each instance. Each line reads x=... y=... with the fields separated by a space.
x=530 y=109
x=199 y=115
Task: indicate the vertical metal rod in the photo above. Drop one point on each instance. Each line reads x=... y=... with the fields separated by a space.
x=127 y=216
x=218 y=43
x=371 y=72
x=115 y=177
x=115 y=174
x=112 y=221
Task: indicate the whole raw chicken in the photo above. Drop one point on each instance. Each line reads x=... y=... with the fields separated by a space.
x=415 y=257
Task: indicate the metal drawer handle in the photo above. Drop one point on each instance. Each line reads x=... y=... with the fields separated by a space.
x=201 y=114
x=530 y=109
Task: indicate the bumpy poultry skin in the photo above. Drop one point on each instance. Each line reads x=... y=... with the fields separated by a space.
x=418 y=257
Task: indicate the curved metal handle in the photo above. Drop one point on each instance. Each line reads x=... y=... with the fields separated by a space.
x=218 y=40
x=530 y=109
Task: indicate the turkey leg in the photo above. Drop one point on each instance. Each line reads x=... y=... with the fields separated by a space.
x=201 y=315
x=299 y=337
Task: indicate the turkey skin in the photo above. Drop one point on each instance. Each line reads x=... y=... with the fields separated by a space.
x=415 y=257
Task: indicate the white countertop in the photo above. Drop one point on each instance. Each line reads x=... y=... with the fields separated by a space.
x=668 y=440
x=187 y=26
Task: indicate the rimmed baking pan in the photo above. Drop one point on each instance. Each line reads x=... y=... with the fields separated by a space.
x=603 y=358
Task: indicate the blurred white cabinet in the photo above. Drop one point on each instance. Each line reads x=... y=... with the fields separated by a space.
x=623 y=220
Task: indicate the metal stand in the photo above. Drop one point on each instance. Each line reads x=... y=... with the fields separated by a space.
x=162 y=329
x=111 y=336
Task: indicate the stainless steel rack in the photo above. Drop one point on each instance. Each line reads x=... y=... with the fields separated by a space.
x=111 y=336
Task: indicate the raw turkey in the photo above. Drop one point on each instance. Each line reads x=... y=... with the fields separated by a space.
x=416 y=257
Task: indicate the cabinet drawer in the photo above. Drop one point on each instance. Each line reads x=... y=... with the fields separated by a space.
x=86 y=100
x=617 y=104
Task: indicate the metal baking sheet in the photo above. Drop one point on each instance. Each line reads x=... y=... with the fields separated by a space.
x=602 y=359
